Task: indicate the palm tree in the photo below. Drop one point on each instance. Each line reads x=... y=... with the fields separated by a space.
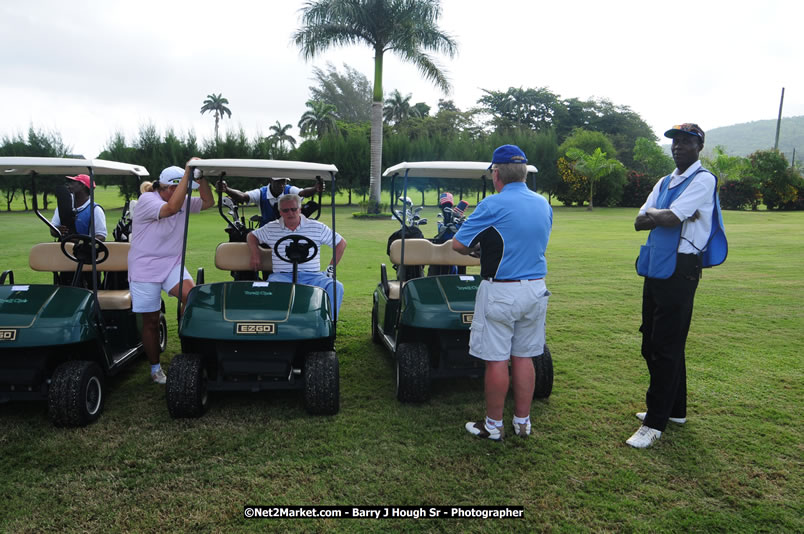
x=406 y=27
x=397 y=107
x=318 y=119
x=216 y=104
x=594 y=166
x=281 y=135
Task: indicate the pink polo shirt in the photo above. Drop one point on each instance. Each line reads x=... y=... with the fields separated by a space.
x=156 y=243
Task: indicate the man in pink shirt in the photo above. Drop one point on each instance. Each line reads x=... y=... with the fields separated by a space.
x=154 y=259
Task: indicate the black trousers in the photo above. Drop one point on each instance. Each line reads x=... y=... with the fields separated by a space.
x=666 y=315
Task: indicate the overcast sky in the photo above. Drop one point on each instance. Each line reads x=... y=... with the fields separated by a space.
x=88 y=69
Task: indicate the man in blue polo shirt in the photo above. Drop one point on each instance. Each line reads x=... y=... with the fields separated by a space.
x=512 y=230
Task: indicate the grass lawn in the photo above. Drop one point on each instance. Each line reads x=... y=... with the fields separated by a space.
x=736 y=466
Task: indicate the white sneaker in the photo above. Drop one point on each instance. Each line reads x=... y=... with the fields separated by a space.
x=644 y=437
x=482 y=430
x=677 y=420
x=159 y=377
x=522 y=430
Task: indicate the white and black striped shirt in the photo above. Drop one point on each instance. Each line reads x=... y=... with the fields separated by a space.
x=316 y=231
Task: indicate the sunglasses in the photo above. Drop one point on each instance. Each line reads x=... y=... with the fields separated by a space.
x=288 y=210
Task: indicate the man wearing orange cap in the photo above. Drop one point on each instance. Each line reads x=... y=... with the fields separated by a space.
x=78 y=186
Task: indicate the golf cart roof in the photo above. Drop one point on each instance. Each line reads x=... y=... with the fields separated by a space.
x=265 y=168
x=27 y=166
x=443 y=169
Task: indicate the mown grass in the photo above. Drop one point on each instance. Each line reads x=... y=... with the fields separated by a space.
x=735 y=466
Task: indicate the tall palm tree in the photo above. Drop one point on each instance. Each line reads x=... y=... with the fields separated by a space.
x=318 y=119
x=407 y=27
x=397 y=107
x=217 y=105
x=281 y=136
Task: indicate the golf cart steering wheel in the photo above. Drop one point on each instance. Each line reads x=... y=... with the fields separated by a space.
x=82 y=248
x=301 y=249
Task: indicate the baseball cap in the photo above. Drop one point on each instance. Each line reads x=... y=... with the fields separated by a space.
x=508 y=154
x=687 y=128
x=274 y=178
x=172 y=176
x=83 y=178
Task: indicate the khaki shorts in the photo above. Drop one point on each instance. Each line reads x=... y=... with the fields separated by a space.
x=509 y=320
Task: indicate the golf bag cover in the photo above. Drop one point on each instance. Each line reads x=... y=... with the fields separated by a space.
x=310 y=207
x=460 y=208
x=445 y=203
x=64 y=201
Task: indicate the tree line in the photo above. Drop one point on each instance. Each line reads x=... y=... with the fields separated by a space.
x=588 y=152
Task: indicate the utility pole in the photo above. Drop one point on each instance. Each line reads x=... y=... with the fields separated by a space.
x=779 y=122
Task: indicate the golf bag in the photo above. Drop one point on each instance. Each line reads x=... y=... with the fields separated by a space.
x=411 y=232
x=451 y=220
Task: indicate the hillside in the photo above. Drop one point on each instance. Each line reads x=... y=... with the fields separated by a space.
x=743 y=139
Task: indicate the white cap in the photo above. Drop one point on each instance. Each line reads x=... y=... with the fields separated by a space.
x=172 y=176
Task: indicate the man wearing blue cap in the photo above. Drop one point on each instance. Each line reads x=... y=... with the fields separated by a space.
x=686 y=233
x=512 y=229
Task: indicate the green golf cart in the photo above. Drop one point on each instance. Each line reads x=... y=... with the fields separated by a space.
x=255 y=335
x=60 y=340
x=424 y=322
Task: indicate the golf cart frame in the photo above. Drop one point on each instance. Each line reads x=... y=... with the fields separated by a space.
x=252 y=335
x=59 y=342
x=424 y=322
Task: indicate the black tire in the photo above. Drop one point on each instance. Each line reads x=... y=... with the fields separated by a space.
x=186 y=387
x=543 y=365
x=375 y=325
x=412 y=372
x=322 y=383
x=163 y=333
x=76 y=394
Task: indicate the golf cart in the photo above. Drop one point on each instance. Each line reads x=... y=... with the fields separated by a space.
x=59 y=341
x=424 y=322
x=252 y=335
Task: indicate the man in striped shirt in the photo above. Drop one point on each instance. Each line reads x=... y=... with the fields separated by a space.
x=292 y=222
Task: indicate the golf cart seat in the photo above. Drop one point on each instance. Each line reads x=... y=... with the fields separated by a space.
x=48 y=257
x=237 y=257
x=425 y=252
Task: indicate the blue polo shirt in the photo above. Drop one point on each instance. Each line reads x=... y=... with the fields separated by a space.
x=513 y=228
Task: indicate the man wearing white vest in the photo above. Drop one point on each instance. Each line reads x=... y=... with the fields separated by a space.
x=686 y=233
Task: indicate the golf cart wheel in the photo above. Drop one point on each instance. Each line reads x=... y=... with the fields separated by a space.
x=412 y=372
x=543 y=365
x=321 y=383
x=76 y=394
x=163 y=333
x=186 y=387
x=375 y=326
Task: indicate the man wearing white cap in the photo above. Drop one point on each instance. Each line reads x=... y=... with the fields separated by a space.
x=267 y=196
x=154 y=259
x=78 y=186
